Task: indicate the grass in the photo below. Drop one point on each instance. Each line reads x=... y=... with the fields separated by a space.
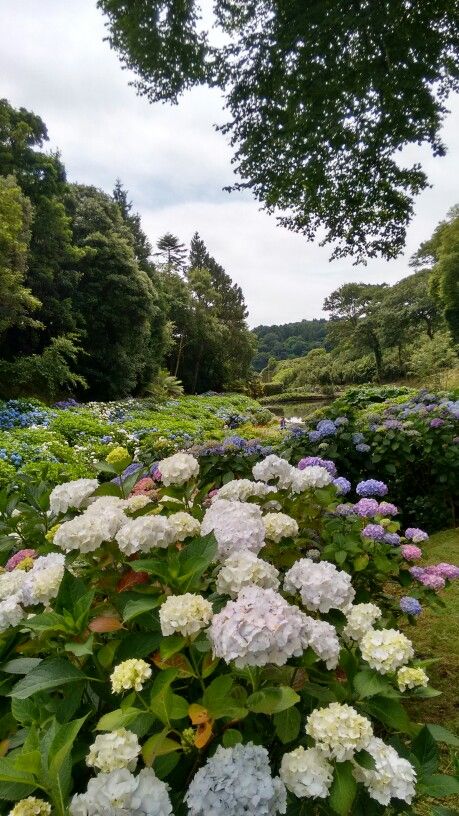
x=436 y=635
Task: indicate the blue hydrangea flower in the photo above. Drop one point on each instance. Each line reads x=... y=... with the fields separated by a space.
x=371 y=487
x=374 y=531
x=410 y=606
x=362 y=447
x=393 y=539
x=357 y=438
x=343 y=486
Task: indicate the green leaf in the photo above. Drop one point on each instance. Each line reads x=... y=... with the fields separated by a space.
x=137 y=607
x=343 y=789
x=365 y=760
x=62 y=745
x=80 y=649
x=360 y=562
x=138 y=645
x=425 y=750
x=287 y=724
x=439 y=785
x=107 y=488
x=272 y=700
x=194 y=560
x=391 y=713
x=50 y=673
x=231 y=737
x=21 y=665
x=171 y=645
x=161 y=695
x=159 y=745
x=120 y=718
x=10 y=773
x=368 y=684
x=441 y=734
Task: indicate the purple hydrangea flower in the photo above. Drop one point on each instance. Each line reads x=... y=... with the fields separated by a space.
x=387 y=509
x=416 y=535
x=371 y=487
x=432 y=581
x=343 y=486
x=436 y=423
x=366 y=508
x=374 y=531
x=309 y=461
x=393 y=425
x=393 y=539
x=345 y=510
x=448 y=571
x=417 y=572
x=410 y=606
x=362 y=447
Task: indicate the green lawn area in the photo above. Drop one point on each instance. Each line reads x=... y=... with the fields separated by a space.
x=437 y=635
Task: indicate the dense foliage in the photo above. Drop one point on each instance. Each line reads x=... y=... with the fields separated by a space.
x=321 y=99
x=288 y=340
x=70 y=255
x=166 y=651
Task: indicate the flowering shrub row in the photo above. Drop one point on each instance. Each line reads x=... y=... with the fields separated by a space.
x=170 y=650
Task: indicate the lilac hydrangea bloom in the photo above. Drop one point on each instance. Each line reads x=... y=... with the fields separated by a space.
x=310 y=461
x=345 y=510
x=448 y=571
x=392 y=538
x=411 y=552
x=437 y=422
x=362 y=447
x=410 y=606
x=387 y=509
x=366 y=508
x=416 y=535
x=432 y=581
x=417 y=572
x=343 y=486
x=374 y=531
x=371 y=487
x=393 y=425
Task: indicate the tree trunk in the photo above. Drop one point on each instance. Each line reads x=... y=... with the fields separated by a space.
x=196 y=369
x=179 y=354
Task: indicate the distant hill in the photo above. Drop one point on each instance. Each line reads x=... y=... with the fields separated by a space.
x=288 y=340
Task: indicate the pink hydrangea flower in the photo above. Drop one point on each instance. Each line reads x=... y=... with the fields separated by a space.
x=18 y=557
x=444 y=570
x=432 y=581
x=411 y=552
x=143 y=487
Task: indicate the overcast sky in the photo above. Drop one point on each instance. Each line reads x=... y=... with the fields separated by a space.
x=53 y=61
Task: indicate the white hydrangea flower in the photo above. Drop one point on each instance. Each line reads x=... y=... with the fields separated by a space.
x=186 y=614
x=178 y=469
x=120 y=793
x=323 y=639
x=273 y=467
x=31 y=807
x=71 y=494
x=145 y=533
x=243 y=489
x=360 y=618
x=321 y=586
x=411 y=678
x=11 y=583
x=88 y=532
x=44 y=579
x=137 y=502
x=236 y=526
x=339 y=731
x=386 y=649
x=392 y=778
x=11 y=612
x=310 y=478
x=117 y=749
x=183 y=526
x=236 y=781
x=243 y=568
x=279 y=526
x=306 y=773
x=259 y=627
x=130 y=674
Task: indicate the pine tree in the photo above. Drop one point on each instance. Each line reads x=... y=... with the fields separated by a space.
x=171 y=252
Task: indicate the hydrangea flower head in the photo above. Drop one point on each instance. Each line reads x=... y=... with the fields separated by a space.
x=117 y=749
x=178 y=469
x=432 y=581
x=371 y=487
x=257 y=628
x=131 y=674
x=71 y=494
x=360 y=618
x=273 y=467
x=392 y=538
x=310 y=478
x=31 y=807
x=309 y=461
x=344 y=510
x=42 y=582
x=120 y=793
x=366 y=508
x=17 y=559
x=408 y=678
x=183 y=525
x=386 y=649
x=387 y=509
x=306 y=773
x=362 y=447
x=343 y=486
x=236 y=781
x=186 y=614
x=119 y=457
x=410 y=606
x=447 y=571
x=339 y=731
x=416 y=535
x=374 y=531
x=279 y=526
x=243 y=489
x=393 y=777
x=145 y=533
x=321 y=586
x=243 y=568
x=410 y=552
x=236 y=526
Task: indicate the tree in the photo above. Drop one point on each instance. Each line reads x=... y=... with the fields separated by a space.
x=16 y=301
x=141 y=244
x=441 y=256
x=322 y=96
x=171 y=252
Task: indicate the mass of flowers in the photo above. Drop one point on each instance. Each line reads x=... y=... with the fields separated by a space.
x=213 y=648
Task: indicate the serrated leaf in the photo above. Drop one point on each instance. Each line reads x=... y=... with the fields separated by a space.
x=171 y=645
x=21 y=665
x=425 y=750
x=272 y=700
x=365 y=760
x=159 y=745
x=439 y=785
x=343 y=789
x=287 y=724
x=441 y=734
x=50 y=673
x=120 y=718
x=368 y=684
x=139 y=606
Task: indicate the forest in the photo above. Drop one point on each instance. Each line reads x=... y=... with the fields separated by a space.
x=87 y=304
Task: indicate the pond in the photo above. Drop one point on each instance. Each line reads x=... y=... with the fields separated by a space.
x=296 y=409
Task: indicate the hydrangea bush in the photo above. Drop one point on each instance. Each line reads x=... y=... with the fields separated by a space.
x=178 y=649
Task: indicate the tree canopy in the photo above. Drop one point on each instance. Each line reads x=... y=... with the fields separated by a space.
x=321 y=95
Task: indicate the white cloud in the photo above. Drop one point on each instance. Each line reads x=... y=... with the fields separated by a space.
x=53 y=60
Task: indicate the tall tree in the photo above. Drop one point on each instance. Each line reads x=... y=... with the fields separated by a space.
x=171 y=252
x=322 y=97
x=142 y=246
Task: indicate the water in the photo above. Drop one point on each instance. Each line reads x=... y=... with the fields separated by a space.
x=296 y=409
